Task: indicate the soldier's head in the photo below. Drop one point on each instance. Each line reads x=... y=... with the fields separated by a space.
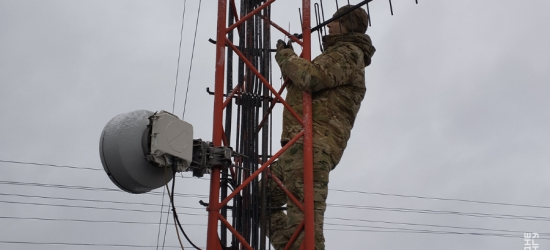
x=355 y=21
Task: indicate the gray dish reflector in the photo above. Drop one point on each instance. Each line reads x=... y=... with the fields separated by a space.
x=122 y=154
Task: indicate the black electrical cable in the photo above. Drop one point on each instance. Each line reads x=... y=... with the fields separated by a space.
x=174 y=213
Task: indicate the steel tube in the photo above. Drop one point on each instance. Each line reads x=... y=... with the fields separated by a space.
x=264 y=81
x=230 y=96
x=212 y=240
x=290 y=36
x=264 y=166
x=235 y=233
x=309 y=223
x=295 y=235
x=272 y=105
x=249 y=15
x=288 y=193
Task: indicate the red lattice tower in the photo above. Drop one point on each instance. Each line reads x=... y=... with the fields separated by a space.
x=214 y=207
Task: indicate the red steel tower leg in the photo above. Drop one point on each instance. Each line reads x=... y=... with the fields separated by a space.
x=212 y=240
x=309 y=215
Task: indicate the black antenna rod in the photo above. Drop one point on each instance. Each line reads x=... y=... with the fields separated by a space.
x=323 y=15
x=368 y=14
x=336 y=17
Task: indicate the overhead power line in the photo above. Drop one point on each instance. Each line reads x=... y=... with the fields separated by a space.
x=34 y=184
x=92 y=221
x=95 y=207
x=512 y=232
x=90 y=200
x=179 y=57
x=438 y=198
x=405 y=230
x=381 y=228
x=77 y=168
x=391 y=209
x=332 y=189
x=48 y=165
x=77 y=199
x=79 y=244
x=443 y=212
x=191 y=63
x=430 y=225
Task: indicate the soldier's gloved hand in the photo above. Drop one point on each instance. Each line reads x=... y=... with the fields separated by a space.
x=289 y=44
x=281 y=45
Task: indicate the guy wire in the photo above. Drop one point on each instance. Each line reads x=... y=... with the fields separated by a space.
x=191 y=64
x=171 y=199
x=160 y=222
x=173 y=109
x=179 y=56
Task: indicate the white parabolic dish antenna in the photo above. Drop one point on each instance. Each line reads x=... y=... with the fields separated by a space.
x=123 y=147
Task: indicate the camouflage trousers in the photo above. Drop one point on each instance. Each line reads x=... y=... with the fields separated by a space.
x=289 y=169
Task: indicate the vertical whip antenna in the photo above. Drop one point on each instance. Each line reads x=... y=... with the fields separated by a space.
x=391 y=8
x=317 y=19
x=301 y=21
x=323 y=16
x=340 y=24
x=350 y=20
x=368 y=14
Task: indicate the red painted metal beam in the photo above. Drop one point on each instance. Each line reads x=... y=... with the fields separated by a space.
x=212 y=240
x=273 y=102
x=295 y=235
x=260 y=170
x=237 y=235
x=288 y=193
x=294 y=38
x=230 y=96
x=263 y=80
x=249 y=15
x=309 y=225
x=234 y=10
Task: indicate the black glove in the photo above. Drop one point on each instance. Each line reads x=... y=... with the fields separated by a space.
x=282 y=45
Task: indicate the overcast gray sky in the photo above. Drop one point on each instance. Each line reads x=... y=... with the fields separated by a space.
x=457 y=107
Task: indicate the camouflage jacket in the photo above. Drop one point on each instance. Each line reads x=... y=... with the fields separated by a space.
x=336 y=79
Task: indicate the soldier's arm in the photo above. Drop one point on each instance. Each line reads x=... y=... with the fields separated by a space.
x=329 y=70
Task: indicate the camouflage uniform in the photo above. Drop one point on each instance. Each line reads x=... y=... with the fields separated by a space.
x=336 y=81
